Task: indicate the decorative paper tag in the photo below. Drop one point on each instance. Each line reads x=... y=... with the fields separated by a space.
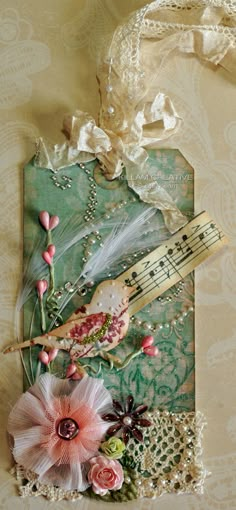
x=117 y=384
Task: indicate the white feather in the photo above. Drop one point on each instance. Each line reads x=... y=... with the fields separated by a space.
x=116 y=245
x=67 y=234
x=122 y=239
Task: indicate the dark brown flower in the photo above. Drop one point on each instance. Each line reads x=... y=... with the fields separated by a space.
x=127 y=418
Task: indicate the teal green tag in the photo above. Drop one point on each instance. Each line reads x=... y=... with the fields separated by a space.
x=166 y=381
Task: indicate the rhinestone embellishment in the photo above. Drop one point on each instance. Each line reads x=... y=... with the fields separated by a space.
x=67 y=429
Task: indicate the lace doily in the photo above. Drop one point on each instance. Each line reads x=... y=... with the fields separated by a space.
x=169 y=460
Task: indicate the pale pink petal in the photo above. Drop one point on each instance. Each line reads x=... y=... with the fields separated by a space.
x=27 y=412
x=87 y=448
x=68 y=477
x=48 y=387
x=26 y=440
x=93 y=393
x=35 y=458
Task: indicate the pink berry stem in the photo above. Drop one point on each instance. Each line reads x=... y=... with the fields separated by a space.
x=42 y=314
x=51 y=288
x=49 y=237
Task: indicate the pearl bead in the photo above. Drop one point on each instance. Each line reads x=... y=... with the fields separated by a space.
x=110 y=110
x=146 y=325
x=127 y=420
x=109 y=88
x=90 y=284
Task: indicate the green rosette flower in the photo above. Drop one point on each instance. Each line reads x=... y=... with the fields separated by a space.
x=113 y=448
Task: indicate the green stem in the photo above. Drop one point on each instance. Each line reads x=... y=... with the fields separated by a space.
x=127 y=360
x=42 y=315
x=51 y=287
x=113 y=363
x=49 y=237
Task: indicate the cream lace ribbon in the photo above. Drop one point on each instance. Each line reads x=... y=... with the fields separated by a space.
x=169 y=460
x=144 y=116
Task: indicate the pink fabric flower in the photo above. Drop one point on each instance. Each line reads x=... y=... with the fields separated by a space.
x=105 y=475
x=57 y=428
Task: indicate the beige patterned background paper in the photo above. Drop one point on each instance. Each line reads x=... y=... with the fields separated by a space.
x=47 y=55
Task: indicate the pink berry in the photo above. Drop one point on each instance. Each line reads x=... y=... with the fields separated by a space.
x=52 y=354
x=151 y=351
x=53 y=222
x=44 y=219
x=71 y=369
x=47 y=258
x=41 y=286
x=43 y=357
x=147 y=341
x=51 y=249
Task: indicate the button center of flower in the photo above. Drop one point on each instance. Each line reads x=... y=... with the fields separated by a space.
x=67 y=429
x=127 y=420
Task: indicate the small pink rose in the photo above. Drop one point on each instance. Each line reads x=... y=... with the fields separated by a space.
x=54 y=221
x=41 y=286
x=105 y=475
x=44 y=219
x=51 y=249
x=47 y=258
x=147 y=341
x=43 y=357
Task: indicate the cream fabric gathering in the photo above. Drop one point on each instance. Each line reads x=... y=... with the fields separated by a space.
x=135 y=115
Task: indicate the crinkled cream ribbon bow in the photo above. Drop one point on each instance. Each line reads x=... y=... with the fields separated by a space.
x=122 y=138
x=86 y=142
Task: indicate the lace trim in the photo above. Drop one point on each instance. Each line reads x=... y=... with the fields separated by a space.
x=157 y=29
x=30 y=486
x=169 y=460
x=125 y=45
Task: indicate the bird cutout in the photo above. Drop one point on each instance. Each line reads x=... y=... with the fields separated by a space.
x=93 y=329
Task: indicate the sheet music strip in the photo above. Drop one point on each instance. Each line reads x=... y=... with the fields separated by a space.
x=172 y=261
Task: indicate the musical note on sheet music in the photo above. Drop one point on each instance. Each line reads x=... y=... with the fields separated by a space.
x=172 y=261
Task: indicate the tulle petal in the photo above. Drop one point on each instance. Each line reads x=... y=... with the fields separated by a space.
x=25 y=440
x=93 y=393
x=29 y=450
x=48 y=387
x=68 y=477
x=27 y=412
x=36 y=458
